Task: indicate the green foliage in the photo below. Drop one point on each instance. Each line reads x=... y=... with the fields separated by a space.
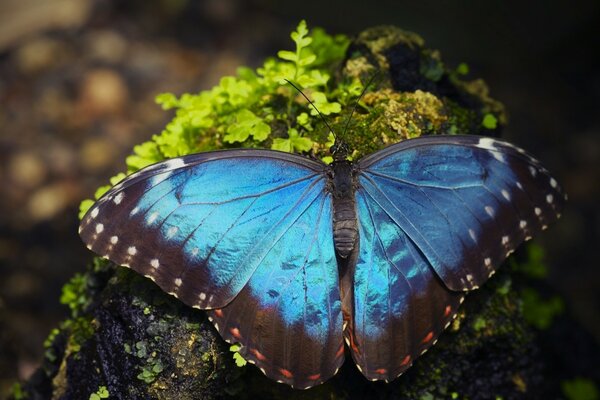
x=74 y=294
x=246 y=124
x=462 y=69
x=293 y=143
x=489 y=121
x=242 y=110
x=580 y=389
x=534 y=266
x=237 y=357
x=538 y=311
x=101 y=393
x=17 y=392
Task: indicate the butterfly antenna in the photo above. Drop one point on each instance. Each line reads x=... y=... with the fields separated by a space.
x=312 y=104
x=371 y=79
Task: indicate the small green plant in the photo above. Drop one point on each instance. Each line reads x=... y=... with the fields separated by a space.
x=237 y=357
x=101 y=393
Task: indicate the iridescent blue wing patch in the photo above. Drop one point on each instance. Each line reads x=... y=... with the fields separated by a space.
x=292 y=304
x=247 y=223
x=398 y=305
x=466 y=202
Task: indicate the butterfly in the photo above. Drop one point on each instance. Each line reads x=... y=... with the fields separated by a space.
x=292 y=257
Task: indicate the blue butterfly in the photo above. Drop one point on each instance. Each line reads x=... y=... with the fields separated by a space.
x=290 y=256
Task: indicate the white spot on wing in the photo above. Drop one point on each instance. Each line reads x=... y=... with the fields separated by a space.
x=553 y=183
x=519 y=185
x=538 y=211
x=118 y=198
x=549 y=199
x=522 y=224
x=174 y=163
x=486 y=143
x=489 y=210
x=172 y=231
x=154 y=263
x=202 y=296
x=99 y=228
x=487 y=262
x=178 y=282
x=114 y=239
x=152 y=217
x=472 y=234
x=134 y=211
x=94 y=213
x=504 y=240
x=131 y=250
x=532 y=171
x=498 y=156
x=505 y=194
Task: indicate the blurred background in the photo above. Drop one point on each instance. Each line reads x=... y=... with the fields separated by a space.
x=78 y=80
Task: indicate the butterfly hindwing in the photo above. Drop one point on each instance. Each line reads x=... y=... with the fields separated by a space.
x=288 y=317
x=399 y=306
x=466 y=202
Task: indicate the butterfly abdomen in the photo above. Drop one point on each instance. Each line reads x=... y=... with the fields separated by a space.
x=345 y=226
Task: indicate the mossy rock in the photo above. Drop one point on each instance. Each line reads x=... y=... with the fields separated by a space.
x=128 y=339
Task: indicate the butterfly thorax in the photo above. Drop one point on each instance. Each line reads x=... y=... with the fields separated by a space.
x=345 y=227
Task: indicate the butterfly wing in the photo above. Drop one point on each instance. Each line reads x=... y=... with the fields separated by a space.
x=246 y=233
x=465 y=202
x=398 y=305
x=293 y=307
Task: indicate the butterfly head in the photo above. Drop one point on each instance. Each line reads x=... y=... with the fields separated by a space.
x=339 y=150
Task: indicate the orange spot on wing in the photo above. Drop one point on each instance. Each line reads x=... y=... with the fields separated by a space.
x=447 y=311
x=381 y=371
x=285 y=373
x=405 y=361
x=235 y=332
x=258 y=354
x=428 y=337
x=340 y=351
x=218 y=312
x=314 y=377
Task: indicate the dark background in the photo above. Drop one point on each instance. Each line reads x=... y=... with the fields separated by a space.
x=78 y=79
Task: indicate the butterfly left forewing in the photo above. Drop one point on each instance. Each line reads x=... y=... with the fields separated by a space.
x=200 y=225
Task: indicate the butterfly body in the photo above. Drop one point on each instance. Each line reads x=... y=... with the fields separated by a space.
x=291 y=257
x=345 y=225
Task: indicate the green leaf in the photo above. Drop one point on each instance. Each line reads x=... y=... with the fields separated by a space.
x=489 y=121
x=239 y=360
x=167 y=101
x=326 y=108
x=143 y=155
x=540 y=312
x=303 y=119
x=299 y=36
x=304 y=61
x=101 y=190
x=247 y=124
x=294 y=142
x=101 y=393
x=462 y=69
x=287 y=55
x=84 y=206
x=580 y=389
